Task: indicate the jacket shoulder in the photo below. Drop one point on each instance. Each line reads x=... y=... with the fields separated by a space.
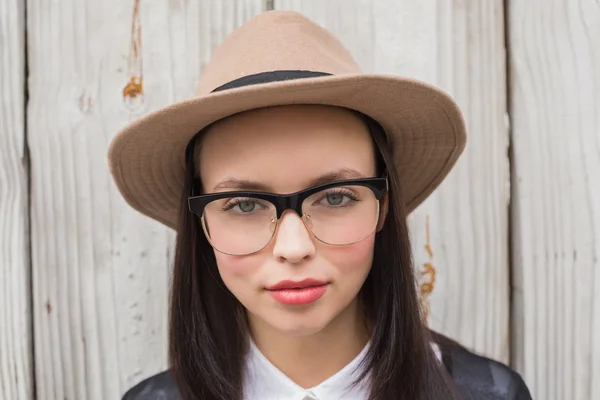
x=161 y=386
x=479 y=377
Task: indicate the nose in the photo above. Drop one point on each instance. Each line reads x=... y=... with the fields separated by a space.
x=293 y=241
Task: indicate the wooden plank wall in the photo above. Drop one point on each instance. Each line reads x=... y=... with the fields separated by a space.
x=16 y=378
x=512 y=233
x=555 y=113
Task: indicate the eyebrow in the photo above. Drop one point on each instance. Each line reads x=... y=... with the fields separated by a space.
x=242 y=184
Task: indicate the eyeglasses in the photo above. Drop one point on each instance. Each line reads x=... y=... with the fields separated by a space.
x=244 y=222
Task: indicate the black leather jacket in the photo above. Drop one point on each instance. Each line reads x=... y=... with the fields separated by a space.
x=476 y=377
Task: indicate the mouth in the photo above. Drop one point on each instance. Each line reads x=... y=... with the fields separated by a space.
x=305 y=283
x=298 y=292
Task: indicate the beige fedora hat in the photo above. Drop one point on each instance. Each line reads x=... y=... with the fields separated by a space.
x=282 y=58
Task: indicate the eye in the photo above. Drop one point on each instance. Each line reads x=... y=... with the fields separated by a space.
x=242 y=205
x=337 y=198
x=246 y=206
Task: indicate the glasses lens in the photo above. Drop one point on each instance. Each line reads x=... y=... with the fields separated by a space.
x=342 y=215
x=239 y=225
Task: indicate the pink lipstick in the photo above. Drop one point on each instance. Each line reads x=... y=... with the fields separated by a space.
x=298 y=292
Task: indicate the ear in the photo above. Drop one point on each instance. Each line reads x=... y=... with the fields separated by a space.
x=383 y=211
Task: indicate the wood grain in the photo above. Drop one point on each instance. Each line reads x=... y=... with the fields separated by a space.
x=458 y=45
x=101 y=270
x=16 y=363
x=555 y=115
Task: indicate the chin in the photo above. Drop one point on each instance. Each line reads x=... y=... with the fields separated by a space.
x=298 y=323
x=296 y=330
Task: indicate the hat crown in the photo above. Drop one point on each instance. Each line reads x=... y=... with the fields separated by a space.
x=274 y=41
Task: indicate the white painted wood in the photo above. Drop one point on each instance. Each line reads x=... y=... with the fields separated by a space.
x=459 y=46
x=100 y=269
x=555 y=114
x=16 y=364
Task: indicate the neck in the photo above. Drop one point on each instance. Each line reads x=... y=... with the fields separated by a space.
x=309 y=360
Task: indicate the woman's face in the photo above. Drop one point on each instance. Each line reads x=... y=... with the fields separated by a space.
x=284 y=149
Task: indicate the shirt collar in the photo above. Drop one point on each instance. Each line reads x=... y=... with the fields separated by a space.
x=264 y=381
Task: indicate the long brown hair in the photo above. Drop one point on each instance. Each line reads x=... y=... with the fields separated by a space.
x=208 y=330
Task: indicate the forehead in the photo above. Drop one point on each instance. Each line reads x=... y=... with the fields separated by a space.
x=285 y=147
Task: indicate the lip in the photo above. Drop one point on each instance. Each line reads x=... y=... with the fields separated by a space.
x=298 y=292
x=289 y=284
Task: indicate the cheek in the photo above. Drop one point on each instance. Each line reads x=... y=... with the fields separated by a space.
x=237 y=270
x=230 y=265
x=351 y=260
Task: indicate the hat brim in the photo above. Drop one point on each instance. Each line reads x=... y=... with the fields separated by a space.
x=423 y=124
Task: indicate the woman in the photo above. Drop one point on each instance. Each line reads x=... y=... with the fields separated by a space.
x=288 y=179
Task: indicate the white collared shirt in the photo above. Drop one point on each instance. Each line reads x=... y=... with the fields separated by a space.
x=264 y=381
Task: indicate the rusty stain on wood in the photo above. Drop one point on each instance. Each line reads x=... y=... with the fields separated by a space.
x=135 y=86
x=427 y=285
x=428 y=238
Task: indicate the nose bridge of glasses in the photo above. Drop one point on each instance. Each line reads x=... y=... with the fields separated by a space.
x=288 y=202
